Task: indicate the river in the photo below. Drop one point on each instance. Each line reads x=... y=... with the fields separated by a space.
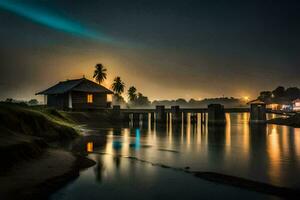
x=144 y=162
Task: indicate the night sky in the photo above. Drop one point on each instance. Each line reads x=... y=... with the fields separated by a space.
x=167 y=49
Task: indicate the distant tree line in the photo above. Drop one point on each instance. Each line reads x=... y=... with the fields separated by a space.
x=280 y=94
x=192 y=103
x=31 y=102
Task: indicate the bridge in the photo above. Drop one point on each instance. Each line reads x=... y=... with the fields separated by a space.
x=213 y=114
x=184 y=110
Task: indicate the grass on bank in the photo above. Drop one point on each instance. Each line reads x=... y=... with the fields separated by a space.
x=26 y=131
x=45 y=123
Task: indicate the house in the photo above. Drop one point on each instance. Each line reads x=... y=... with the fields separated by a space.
x=77 y=94
x=283 y=104
x=296 y=105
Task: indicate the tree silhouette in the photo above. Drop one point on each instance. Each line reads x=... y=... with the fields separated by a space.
x=99 y=73
x=279 y=91
x=142 y=100
x=118 y=86
x=33 y=102
x=132 y=93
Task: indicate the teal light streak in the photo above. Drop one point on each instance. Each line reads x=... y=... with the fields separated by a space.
x=53 y=21
x=137 y=138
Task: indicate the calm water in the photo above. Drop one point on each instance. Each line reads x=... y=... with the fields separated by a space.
x=267 y=153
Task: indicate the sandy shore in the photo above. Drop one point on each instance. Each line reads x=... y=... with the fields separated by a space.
x=36 y=179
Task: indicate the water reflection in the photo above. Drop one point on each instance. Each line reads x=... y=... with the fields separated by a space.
x=268 y=153
x=90 y=147
x=99 y=169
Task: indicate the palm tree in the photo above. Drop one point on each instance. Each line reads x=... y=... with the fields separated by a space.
x=118 y=86
x=132 y=93
x=99 y=73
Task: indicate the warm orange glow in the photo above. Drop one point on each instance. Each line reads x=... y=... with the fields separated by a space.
x=273 y=106
x=90 y=98
x=274 y=152
x=228 y=133
x=246 y=98
x=109 y=98
x=246 y=134
x=90 y=147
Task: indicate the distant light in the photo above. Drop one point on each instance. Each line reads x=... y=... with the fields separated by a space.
x=246 y=98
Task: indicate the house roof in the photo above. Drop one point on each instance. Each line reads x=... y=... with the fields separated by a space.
x=79 y=85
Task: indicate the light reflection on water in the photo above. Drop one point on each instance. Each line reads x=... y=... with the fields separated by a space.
x=267 y=153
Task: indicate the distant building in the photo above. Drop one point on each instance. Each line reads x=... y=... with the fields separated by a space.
x=296 y=105
x=281 y=104
x=77 y=94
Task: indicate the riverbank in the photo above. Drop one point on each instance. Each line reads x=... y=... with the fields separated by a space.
x=30 y=166
x=40 y=177
x=293 y=121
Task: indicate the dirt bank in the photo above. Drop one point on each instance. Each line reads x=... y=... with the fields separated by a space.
x=25 y=133
x=30 y=168
x=40 y=177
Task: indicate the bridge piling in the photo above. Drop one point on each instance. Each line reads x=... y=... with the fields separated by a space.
x=184 y=117
x=258 y=113
x=216 y=114
x=125 y=117
x=116 y=112
x=176 y=114
x=136 y=119
x=194 y=118
x=145 y=118
x=160 y=114
x=152 y=117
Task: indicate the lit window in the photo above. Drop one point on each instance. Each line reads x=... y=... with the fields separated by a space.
x=90 y=98
x=109 y=98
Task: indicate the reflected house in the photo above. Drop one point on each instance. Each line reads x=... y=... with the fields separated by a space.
x=90 y=147
x=77 y=94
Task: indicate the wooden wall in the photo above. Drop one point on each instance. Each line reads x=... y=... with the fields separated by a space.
x=79 y=100
x=59 y=101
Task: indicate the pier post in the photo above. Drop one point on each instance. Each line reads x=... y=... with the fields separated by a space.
x=184 y=117
x=145 y=119
x=136 y=119
x=116 y=111
x=216 y=114
x=160 y=114
x=152 y=117
x=194 y=118
x=258 y=113
x=176 y=114
x=125 y=117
